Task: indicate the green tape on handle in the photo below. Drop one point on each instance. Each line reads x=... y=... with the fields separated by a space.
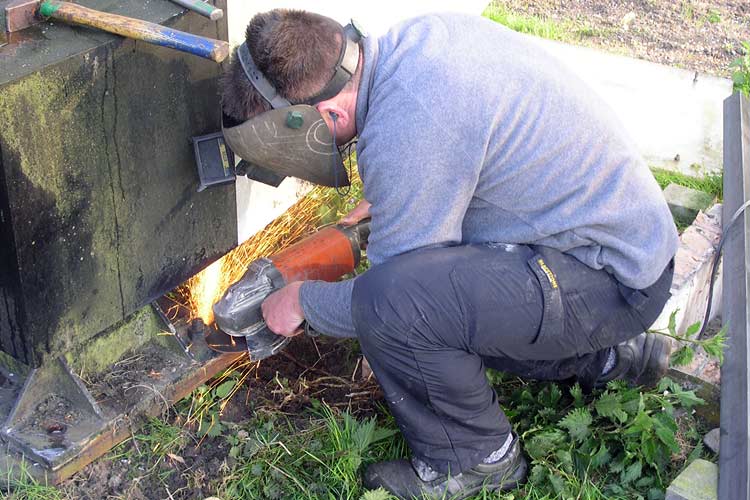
x=48 y=8
x=203 y=6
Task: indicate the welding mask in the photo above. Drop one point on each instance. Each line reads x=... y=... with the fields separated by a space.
x=292 y=139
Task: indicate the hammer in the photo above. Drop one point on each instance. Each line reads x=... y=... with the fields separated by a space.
x=20 y=14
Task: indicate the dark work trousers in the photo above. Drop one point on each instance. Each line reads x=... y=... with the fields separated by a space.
x=430 y=321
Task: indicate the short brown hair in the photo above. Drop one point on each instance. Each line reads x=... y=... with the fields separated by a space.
x=295 y=50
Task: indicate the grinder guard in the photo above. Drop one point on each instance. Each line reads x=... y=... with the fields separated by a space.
x=238 y=313
x=325 y=255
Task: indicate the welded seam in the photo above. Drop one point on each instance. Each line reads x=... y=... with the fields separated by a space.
x=108 y=154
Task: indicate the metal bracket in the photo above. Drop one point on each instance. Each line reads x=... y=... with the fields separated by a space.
x=54 y=416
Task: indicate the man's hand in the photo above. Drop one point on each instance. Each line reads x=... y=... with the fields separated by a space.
x=361 y=211
x=283 y=312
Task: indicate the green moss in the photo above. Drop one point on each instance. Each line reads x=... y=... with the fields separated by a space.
x=36 y=114
x=106 y=349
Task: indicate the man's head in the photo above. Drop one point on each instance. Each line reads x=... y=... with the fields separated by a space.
x=297 y=52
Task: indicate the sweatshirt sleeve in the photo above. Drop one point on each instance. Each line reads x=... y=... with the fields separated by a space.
x=327 y=307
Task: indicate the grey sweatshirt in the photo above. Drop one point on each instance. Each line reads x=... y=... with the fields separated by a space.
x=470 y=133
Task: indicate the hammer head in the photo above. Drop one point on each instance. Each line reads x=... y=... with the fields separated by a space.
x=20 y=14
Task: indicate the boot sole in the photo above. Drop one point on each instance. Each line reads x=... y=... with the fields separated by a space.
x=515 y=480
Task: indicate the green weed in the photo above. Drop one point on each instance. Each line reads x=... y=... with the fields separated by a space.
x=621 y=442
x=160 y=439
x=741 y=71
x=319 y=458
x=22 y=485
x=205 y=405
x=713 y=346
x=617 y=443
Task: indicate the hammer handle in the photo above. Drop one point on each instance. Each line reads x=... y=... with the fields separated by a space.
x=216 y=50
x=202 y=8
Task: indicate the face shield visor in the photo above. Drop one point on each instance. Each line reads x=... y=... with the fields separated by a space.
x=292 y=139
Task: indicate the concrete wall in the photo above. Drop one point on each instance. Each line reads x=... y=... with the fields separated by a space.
x=674 y=115
x=258 y=204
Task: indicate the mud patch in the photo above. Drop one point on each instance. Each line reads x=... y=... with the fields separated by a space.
x=52 y=416
x=132 y=378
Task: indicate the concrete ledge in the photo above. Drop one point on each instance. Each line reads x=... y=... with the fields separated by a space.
x=685 y=203
x=700 y=481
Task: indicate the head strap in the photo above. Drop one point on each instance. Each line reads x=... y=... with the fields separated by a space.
x=342 y=72
x=345 y=66
x=259 y=81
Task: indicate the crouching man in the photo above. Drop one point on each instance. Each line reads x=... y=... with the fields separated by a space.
x=514 y=224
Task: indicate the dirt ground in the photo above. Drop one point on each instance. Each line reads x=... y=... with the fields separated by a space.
x=320 y=368
x=689 y=34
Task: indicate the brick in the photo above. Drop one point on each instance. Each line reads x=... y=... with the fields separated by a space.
x=698 y=482
x=685 y=203
x=703 y=366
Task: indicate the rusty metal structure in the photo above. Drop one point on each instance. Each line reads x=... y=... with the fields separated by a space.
x=99 y=217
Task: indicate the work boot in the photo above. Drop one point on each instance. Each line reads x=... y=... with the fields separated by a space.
x=400 y=477
x=642 y=360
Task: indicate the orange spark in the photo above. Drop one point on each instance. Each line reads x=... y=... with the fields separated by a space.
x=205 y=288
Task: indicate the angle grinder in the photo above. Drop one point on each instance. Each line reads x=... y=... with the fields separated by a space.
x=326 y=255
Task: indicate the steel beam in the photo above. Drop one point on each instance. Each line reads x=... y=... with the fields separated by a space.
x=734 y=474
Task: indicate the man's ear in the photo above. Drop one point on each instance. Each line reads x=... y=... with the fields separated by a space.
x=329 y=110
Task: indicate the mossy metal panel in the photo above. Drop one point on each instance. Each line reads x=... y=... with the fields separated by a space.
x=99 y=212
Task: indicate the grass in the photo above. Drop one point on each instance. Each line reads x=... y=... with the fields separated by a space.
x=712 y=183
x=564 y=31
x=617 y=443
x=579 y=446
x=741 y=71
x=23 y=486
x=320 y=457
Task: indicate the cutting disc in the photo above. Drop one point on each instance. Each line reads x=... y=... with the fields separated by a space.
x=221 y=342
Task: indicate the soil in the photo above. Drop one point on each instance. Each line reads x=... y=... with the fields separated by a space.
x=53 y=415
x=123 y=386
x=690 y=34
x=321 y=368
